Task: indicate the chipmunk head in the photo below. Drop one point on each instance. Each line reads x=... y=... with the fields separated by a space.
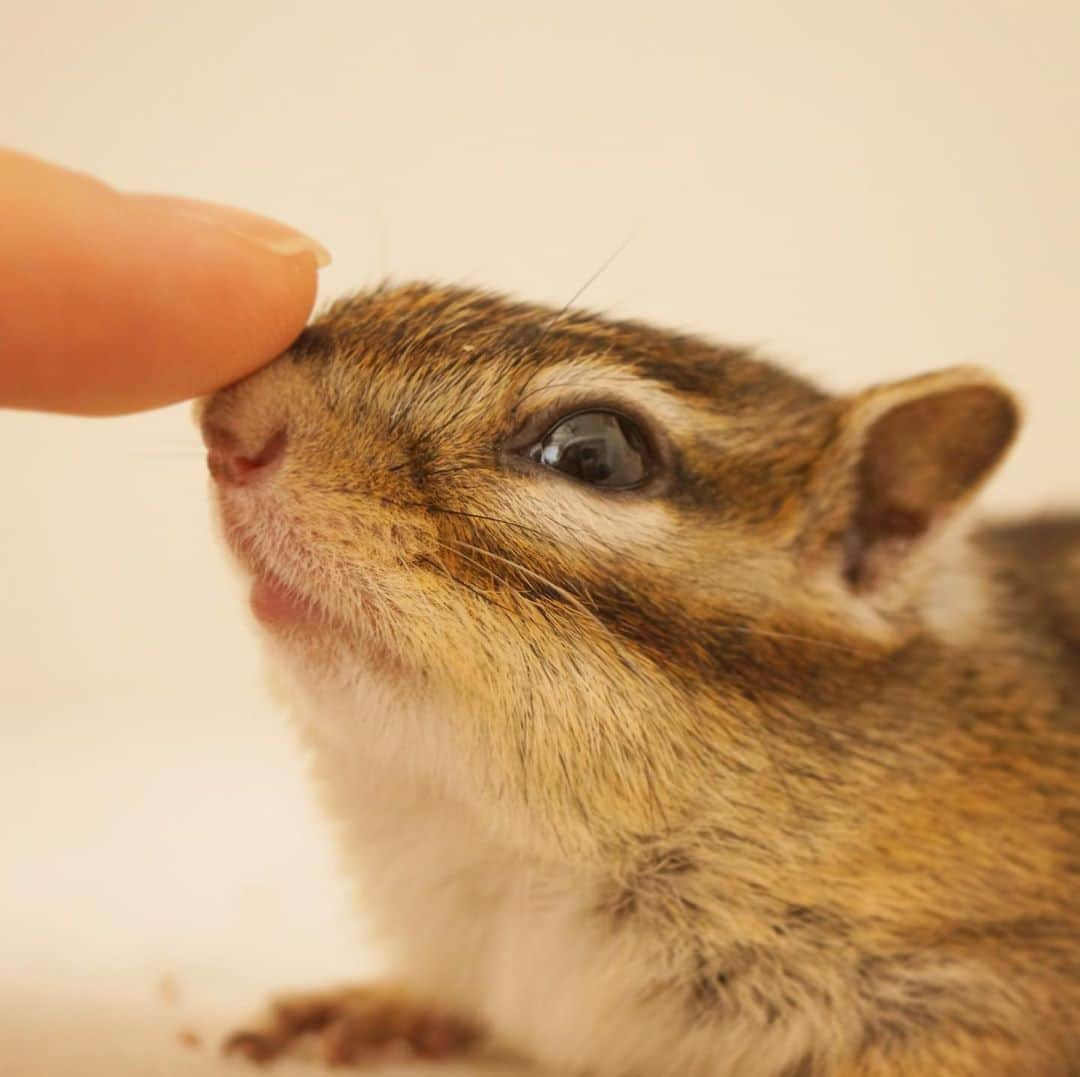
x=582 y=558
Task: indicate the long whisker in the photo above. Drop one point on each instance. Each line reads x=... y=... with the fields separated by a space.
x=472 y=561
x=461 y=512
x=439 y=566
x=558 y=315
x=452 y=470
x=554 y=320
x=539 y=577
x=596 y=274
x=543 y=388
x=813 y=641
x=749 y=630
x=448 y=470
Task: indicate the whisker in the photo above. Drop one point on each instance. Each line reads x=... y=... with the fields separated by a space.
x=488 y=519
x=749 y=630
x=558 y=315
x=461 y=512
x=589 y=610
x=440 y=567
x=596 y=274
x=539 y=577
x=452 y=470
x=472 y=561
x=544 y=388
x=765 y=633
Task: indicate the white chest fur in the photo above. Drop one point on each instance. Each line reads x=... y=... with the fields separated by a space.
x=488 y=932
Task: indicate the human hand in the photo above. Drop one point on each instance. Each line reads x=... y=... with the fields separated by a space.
x=112 y=302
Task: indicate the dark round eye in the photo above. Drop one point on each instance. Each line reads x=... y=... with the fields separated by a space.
x=602 y=448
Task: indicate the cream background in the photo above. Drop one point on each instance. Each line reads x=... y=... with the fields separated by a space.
x=868 y=188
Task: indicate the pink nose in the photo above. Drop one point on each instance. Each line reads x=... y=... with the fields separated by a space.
x=233 y=463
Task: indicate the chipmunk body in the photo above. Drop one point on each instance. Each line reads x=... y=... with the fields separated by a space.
x=673 y=720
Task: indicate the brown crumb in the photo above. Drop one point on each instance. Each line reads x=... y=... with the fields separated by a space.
x=168 y=990
x=190 y=1039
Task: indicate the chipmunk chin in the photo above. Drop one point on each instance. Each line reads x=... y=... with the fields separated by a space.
x=278 y=606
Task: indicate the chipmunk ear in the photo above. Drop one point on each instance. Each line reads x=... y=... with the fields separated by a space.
x=911 y=454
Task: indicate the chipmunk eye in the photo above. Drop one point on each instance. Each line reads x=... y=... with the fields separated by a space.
x=602 y=448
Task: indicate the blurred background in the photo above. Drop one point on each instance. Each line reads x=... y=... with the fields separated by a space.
x=863 y=188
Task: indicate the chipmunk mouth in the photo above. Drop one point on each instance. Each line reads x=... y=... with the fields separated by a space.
x=275 y=603
x=276 y=554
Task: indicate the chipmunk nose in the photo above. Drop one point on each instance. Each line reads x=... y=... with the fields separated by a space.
x=235 y=461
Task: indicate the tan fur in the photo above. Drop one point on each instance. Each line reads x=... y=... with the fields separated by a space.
x=767 y=769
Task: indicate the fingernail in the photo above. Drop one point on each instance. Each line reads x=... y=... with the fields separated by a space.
x=266 y=232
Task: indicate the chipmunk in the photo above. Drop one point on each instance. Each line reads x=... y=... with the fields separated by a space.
x=674 y=718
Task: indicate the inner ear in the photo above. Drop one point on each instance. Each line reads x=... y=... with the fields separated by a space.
x=920 y=459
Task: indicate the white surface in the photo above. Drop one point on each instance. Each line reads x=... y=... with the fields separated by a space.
x=870 y=189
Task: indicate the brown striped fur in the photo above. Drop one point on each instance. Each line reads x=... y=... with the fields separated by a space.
x=775 y=724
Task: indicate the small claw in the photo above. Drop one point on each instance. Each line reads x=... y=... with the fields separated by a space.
x=257 y=1047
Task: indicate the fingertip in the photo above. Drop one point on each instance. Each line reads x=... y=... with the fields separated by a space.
x=125 y=302
x=217 y=293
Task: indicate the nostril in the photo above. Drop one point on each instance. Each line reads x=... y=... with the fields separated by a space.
x=230 y=466
x=265 y=458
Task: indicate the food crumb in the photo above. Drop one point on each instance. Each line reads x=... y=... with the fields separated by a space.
x=168 y=990
x=188 y=1038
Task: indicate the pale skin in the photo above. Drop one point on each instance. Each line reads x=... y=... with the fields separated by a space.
x=114 y=302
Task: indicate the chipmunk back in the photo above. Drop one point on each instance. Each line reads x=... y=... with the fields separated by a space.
x=675 y=717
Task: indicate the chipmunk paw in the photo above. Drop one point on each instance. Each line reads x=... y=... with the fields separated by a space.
x=354 y=1025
